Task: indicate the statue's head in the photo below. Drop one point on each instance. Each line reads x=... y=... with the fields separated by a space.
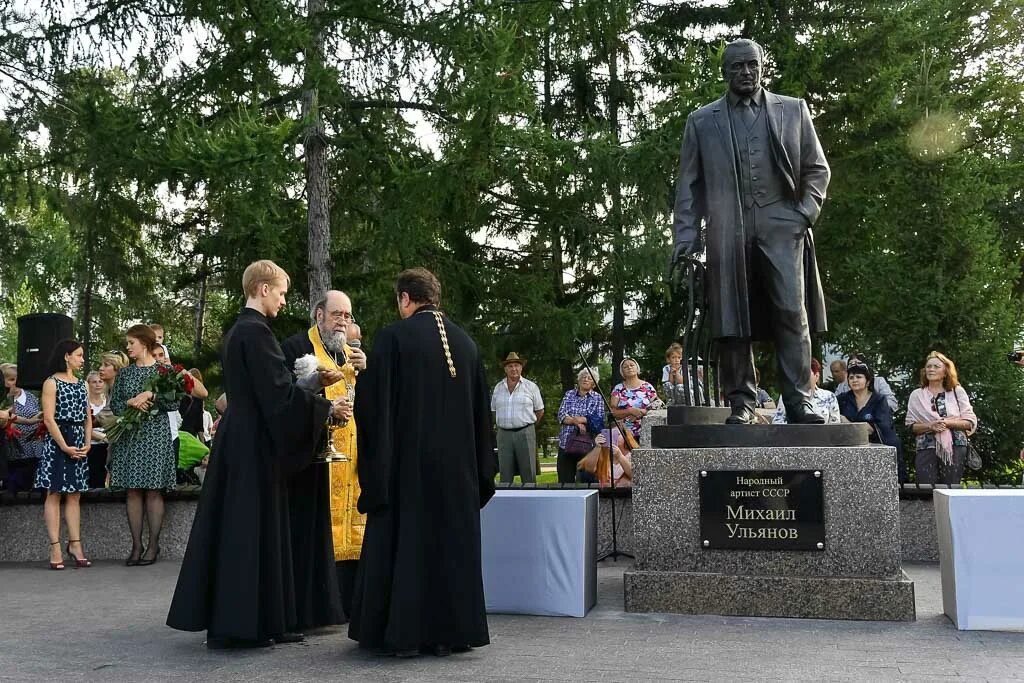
x=741 y=66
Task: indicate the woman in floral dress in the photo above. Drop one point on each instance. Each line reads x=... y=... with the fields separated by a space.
x=632 y=397
x=63 y=467
x=142 y=460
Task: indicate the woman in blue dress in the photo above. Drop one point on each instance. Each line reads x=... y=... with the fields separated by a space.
x=144 y=460
x=861 y=404
x=63 y=466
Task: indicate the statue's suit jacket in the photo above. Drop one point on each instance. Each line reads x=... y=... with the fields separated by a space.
x=707 y=191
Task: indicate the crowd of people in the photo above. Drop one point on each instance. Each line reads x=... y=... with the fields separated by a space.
x=939 y=413
x=330 y=541
x=279 y=533
x=57 y=442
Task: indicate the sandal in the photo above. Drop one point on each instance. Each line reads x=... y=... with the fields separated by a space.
x=57 y=566
x=79 y=563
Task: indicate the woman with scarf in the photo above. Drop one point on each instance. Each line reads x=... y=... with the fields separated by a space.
x=861 y=404
x=942 y=418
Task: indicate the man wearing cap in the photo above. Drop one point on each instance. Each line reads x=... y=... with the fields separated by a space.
x=517 y=405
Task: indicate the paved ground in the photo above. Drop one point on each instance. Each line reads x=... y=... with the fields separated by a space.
x=106 y=623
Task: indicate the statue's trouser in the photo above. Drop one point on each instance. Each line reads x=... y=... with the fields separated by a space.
x=775 y=266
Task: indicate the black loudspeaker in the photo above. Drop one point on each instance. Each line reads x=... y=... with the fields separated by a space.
x=38 y=334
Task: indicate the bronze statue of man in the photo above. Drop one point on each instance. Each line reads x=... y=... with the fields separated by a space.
x=753 y=172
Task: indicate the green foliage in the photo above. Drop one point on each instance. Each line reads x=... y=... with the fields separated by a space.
x=526 y=152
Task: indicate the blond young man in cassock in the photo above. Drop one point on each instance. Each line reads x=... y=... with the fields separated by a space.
x=236 y=579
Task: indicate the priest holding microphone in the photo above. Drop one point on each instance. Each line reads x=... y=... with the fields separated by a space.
x=327 y=530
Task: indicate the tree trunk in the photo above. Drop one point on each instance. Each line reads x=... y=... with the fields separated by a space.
x=197 y=342
x=87 y=286
x=318 y=220
x=615 y=217
x=565 y=364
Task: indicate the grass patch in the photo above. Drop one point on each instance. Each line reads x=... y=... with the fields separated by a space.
x=543 y=478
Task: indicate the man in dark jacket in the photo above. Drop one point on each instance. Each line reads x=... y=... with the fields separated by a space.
x=753 y=172
x=426 y=467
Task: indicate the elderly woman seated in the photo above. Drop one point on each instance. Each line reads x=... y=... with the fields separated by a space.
x=605 y=460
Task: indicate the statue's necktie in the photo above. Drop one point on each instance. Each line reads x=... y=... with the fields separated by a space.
x=747 y=113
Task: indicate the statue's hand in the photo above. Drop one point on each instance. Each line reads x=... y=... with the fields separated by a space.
x=683 y=253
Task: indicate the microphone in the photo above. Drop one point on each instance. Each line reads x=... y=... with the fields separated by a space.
x=355 y=344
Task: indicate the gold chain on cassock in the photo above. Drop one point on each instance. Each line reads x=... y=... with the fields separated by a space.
x=439 y=319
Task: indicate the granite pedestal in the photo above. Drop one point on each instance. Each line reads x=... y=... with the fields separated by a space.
x=858 y=574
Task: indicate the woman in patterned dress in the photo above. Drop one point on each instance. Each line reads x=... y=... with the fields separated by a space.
x=63 y=468
x=632 y=397
x=26 y=413
x=142 y=460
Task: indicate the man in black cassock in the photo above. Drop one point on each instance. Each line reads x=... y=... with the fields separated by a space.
x=236 y=579
x=324 y=574
x=426 y=467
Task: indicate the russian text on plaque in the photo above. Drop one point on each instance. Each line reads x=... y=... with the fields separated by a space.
x=762 y=510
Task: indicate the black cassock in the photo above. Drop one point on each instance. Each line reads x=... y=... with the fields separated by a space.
x=426 y=467
x=236 y=580
x=317 y=599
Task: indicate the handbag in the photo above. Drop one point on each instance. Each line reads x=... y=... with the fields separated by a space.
x=973 y=461
x=579 y=443
x=973 y=457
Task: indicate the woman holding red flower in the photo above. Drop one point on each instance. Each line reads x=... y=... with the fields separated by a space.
x=142 y=457
x=25 y=415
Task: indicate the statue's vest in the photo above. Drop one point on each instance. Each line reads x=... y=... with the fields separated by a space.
x=761 y=181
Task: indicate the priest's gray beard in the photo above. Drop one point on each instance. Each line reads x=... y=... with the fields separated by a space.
x=333 y=341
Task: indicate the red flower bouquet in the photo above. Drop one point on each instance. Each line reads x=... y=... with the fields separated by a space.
x=169 y=385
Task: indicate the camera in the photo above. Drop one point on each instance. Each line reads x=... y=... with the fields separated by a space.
x=1015 y=356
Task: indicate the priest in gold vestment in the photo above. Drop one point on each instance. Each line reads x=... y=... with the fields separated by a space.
x=327 y=529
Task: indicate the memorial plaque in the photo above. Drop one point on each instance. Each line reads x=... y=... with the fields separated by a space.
x=762 y=510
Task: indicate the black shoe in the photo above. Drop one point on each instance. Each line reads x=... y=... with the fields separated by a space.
x=441 y=650
x=215 y=643
x=405 y=654
x=146 y=563
x=804 y=416
x=741 y=416
x=458 y=649
x=288 y=637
